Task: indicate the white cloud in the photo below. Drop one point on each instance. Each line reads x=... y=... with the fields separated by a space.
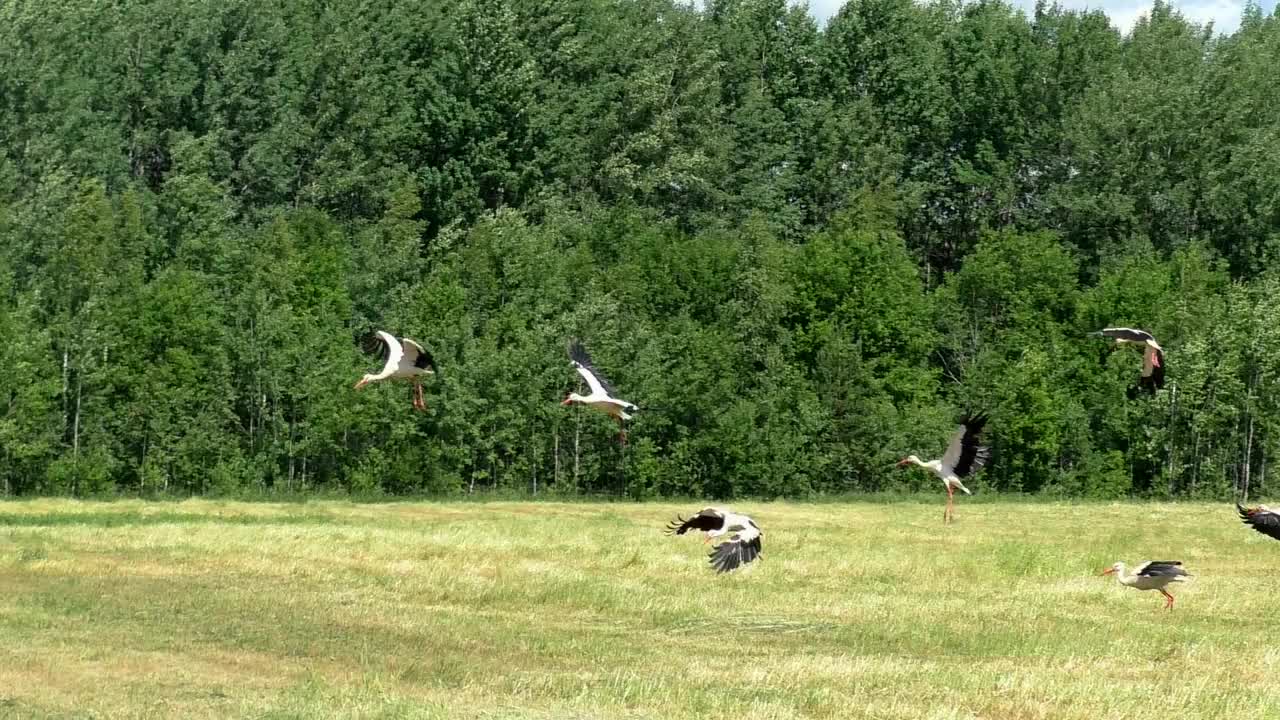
x=1225 y=14
x=823 y=9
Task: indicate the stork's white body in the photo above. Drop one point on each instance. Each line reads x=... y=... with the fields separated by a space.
x=944 y=472
x=733 y=522
x=602 y=402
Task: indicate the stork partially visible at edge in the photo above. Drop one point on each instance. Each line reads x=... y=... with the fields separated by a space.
x=1261 y=518
x=964 y=457
x=405 y=359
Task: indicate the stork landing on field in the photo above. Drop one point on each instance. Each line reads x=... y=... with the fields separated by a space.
x=1261 y=518
x=741 y=548
x=1153 y=366
x=1152 y=575
x=404 y=359
x=964 y=457
x=603 y=397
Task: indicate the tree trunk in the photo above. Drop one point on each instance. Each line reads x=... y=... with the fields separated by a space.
x=289 y=484
x=1248 y=455
x=75 y=439
x=622 y=472
x=66 y=365
x=75 y=426
x=1171 y=444
x=557 y=452
x=577 y=444
x=1248 y=441
x=1262 y=475
x=1195 y=458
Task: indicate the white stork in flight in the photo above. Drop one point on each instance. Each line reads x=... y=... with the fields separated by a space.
x=1152 y=575
x=405 y=359
x=964 y=457
x=741 y=548
x=1261 y=518
x=603 y=397
x=1152 y=354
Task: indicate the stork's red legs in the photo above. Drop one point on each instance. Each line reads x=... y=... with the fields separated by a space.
x=622 y=433
x=1168 y=603
x=947 y=514
x=418 y=402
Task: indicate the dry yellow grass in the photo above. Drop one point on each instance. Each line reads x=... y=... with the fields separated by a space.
x=539 y=610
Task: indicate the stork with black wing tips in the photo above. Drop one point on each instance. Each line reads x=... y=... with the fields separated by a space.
x=404 y=359
x=964 y=457
x=1151 y=575
x=602 y=396
x=742 y=546
x=1153 y=366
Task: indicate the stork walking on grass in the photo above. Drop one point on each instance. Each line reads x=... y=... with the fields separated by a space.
x=1152 y=378
x=964 y=457
x=742 y=547
x=602 y=397
x=1151 y=575
x=1261 y=518
x=404 y=359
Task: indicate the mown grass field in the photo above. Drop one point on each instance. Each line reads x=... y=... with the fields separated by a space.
x=537 y=610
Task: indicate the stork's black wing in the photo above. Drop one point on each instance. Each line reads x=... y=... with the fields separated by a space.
x=1263 y=519
x=739 y=549
x=580 y=358
x=966 y=455
x=707 y=519
x=1162 y=568
x=373 y=344
x=421 y=358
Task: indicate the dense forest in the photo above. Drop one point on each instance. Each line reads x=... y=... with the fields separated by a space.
x=803 y=251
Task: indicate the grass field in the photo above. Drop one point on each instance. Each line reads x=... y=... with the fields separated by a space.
x=195 y=609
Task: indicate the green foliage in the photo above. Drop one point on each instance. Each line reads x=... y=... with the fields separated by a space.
x=803 y=252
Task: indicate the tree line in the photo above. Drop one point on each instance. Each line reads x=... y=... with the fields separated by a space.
x=802 y=251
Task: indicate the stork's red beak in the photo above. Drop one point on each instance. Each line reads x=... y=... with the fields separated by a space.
x=361 y=384
x=567 y=401
x=903 y=463
x=1108 y=571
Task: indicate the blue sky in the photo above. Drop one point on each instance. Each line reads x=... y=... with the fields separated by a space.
x=1225 y=14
